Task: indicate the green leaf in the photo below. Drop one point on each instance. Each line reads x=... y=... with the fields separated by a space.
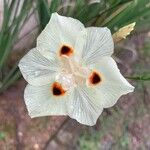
x=54 y=6
x=132 y=13
x=12 y=24
x=111 y=11
x=43 y=12
x=12 y=33
x=11 y=80
x=114 y=12
x=145 y=77
x=88 y=12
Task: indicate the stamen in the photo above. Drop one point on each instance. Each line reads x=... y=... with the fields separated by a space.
x=66 y=50
x=66 y=80
x=57 y=89
x=94 y=78
x=71 y=73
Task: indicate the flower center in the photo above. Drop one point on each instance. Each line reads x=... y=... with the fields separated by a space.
x=71 y=73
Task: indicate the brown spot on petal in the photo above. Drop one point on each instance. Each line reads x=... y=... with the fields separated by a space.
x=66 y=50
x=94 y=78
x=57 y=89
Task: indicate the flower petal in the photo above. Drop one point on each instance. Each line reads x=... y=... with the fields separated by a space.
x=36 y=69
x=99 y=43
x=79 y=45
x=59 y=31
x=41 y=102
x=83 y=106
x=112 y=84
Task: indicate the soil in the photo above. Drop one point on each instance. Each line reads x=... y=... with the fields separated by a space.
x=19 y=132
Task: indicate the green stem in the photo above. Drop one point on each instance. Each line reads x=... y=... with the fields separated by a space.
x=16 y=76
x=141 y=78
x=11 y=72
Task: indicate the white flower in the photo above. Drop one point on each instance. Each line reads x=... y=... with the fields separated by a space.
x=71 y=72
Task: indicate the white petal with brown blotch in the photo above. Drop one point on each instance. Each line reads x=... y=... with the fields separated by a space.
x=37 y=69
x=71 y=72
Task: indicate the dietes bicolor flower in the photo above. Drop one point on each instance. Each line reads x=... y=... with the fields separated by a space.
x=71 y=71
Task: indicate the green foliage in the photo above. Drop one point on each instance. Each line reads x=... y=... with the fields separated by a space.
x=111 y=13
x=13 y=21
x=43 y=12
x=54 y=6
x=2 y=135
x=134 y=11
x=87 y=12
x=144 y=77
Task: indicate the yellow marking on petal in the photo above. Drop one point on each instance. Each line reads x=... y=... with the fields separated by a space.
x=123 y=32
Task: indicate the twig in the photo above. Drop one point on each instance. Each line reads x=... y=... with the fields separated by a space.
x=145 y=94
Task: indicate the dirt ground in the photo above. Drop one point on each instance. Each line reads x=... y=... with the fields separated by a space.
x=125 y=126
